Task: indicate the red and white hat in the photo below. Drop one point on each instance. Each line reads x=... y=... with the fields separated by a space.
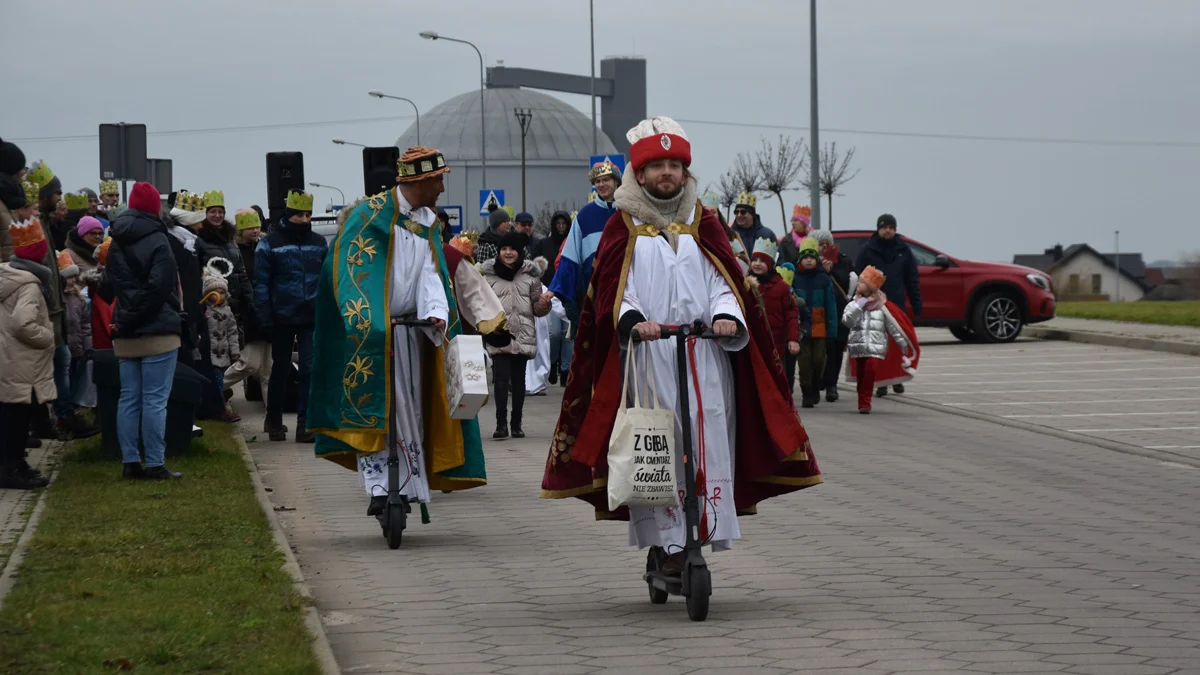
x=658 y=138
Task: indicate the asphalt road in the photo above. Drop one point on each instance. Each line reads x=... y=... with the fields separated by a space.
x=939 y=543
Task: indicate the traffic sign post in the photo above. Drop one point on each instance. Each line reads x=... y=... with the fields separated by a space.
x=158 y=173
x=123 y=153
x=455 y=214
x=489 y=198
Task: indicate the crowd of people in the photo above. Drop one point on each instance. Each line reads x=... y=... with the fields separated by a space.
x=160 y=285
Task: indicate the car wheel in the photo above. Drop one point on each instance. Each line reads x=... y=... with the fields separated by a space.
x=963 y=333
x=998 y=318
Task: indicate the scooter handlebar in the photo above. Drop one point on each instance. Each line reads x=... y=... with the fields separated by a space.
x=406 y=321
x=697 y=330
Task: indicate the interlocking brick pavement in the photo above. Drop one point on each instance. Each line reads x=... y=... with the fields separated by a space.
x=938 y=544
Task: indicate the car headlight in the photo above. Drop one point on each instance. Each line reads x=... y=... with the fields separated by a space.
x=1039 y=281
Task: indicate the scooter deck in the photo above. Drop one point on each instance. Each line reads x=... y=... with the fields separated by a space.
x=664 y=582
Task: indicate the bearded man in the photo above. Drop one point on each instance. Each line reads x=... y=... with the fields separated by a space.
x=663 y=259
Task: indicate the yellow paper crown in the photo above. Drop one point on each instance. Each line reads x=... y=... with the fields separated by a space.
x=76 y=201
x=809 y=248
x=747 y=199
x=40 y=174
x=27 y=233
x=246 y=219
x=300 y=201
x=31 y=192
x=787 y=273
x=766 y=247
x=187 y=201
x=601 y=169
x=109 y=187
x=213 y=199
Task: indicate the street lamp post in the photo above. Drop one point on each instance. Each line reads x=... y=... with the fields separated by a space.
x=592 y=33
x=331 y=187
x=814 y=176
x=432 y=35
x=380 y=95
x=524 y=117
x=338 y=141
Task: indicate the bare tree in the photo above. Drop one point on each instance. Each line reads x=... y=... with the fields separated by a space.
x=745 y=174
x=727 y=191
x=835 y=172
x=780 y=166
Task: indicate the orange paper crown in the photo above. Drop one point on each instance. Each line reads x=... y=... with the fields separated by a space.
x=873 y=277
x=799 y=211
x=102 y=251
x=27 y=233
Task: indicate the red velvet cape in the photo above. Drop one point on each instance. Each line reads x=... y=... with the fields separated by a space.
x=773 y=455
x=890 y=370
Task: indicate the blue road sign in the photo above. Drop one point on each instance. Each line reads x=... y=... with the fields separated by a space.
x=455 y=213
x=489 y=197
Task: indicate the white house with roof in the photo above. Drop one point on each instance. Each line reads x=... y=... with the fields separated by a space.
x=1080 y=272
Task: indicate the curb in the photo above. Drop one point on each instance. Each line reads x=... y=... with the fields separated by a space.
x=312 y=618
x=1115 y=446
x=1111 y=340
x=9 y=578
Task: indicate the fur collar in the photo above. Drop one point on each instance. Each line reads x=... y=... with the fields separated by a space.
x=632 y=200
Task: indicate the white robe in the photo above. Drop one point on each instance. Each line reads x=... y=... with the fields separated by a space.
x=416 y=290
x=678 y=287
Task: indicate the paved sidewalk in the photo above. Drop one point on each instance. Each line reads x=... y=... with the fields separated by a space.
x=1187 y=334
x=1140 y=398
x=16 y=505
x=938 y=544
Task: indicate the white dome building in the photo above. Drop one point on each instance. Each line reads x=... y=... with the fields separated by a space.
x=557 y=148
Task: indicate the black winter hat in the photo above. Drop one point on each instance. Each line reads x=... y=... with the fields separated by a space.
x=516 y=240
x=524 y=217
x=886 y=220
x=12 y=159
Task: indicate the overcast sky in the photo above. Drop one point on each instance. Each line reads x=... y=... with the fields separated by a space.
x=1120 y=70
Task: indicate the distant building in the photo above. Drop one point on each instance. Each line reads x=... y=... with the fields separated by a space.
x=1080 y=272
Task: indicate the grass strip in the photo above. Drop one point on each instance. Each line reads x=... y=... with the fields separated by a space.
x=1182 y=313
x=155 y=577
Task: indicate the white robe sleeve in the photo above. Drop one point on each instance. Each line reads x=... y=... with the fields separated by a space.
x=477 y=302
x=431 y=296
x=722 y=300
x=629 y=301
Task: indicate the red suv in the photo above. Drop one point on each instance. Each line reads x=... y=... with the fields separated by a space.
x=984 y=301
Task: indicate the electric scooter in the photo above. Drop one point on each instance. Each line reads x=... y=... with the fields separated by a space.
x=695 y=583
x=394 y=518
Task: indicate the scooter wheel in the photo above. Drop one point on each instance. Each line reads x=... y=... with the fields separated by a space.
x=654 y=564
x=699 y=590
x=395 y=527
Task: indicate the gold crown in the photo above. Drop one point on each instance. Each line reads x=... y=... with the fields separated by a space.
x=601 y=169
x=213 y=199
x=747 y=199
x=40 y=175
x=420 y=163
x=76 y=201
x=246 y=219
x=31 y=192
x=27 y=233
x=109 y=187
x=300 y=201
x=187 y=201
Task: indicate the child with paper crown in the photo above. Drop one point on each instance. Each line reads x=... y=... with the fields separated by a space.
x=815 y=288
x=778 y=302
x=79 y=324
x=875 y=325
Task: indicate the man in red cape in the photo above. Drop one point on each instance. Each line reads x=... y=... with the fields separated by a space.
x=771 y=453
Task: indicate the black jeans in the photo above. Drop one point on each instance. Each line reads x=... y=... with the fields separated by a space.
x=834 y=352
x=508 y=374
x=282 y=339
x=14 y=429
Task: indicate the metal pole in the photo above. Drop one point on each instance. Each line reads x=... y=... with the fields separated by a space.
x=1117 y=265
x=124 y=172
x=482 y=119
x=524 y=117
x=592 y=32
x=815 y=150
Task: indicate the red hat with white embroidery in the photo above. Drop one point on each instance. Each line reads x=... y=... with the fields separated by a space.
x=658 y=138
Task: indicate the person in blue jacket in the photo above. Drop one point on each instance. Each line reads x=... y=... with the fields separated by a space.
x=886 y=252
x=287 y=267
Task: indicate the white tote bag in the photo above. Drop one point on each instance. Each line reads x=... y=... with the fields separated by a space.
x=641 y=450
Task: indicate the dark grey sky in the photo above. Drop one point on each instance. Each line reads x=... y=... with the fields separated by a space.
x=1070 y=69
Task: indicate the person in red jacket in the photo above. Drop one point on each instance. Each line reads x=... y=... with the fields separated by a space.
x=778 y=303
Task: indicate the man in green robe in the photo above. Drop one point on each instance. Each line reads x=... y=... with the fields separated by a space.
x=388 y=261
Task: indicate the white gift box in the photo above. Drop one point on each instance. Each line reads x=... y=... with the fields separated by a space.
x=466 y=376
